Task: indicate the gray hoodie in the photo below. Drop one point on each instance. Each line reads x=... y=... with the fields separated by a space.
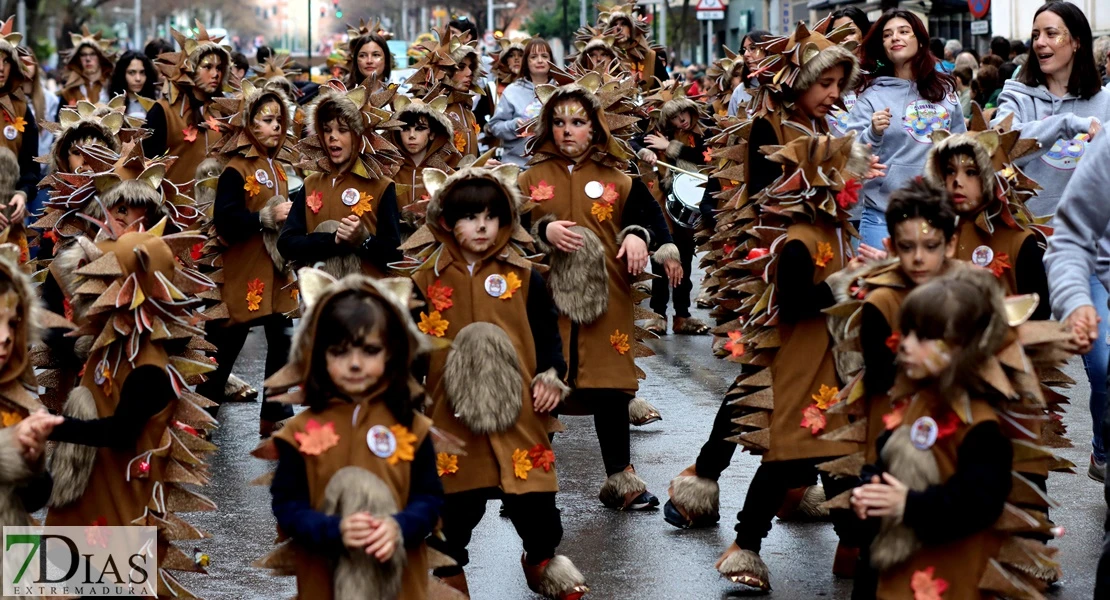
x=518 y=101
x=1060 y=125
x=1082 y=224
x=906 y=142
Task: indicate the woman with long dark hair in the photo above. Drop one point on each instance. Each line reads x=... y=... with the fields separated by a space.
x=752 y=55
x=1057 y=100
x=519 y=104
x=370 y=56
x=856 y=20
x=135 y=77
x=904 y=99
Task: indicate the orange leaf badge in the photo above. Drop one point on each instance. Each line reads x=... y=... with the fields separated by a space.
x=213 y=123
x=602 y=210
x=619 y=341
x=541 y=191
x=254 y=294
x=610 y=195
x=814 y=419
x=405 y=440
x=893 y=419
x=1000 y=264
x=433 y=324
x=707 y=156
x=925 y=586
x=10 y=418
x=251 y=186
x=542 y=458
x=460 y=141
x=190 y=133
x=18 y=124
x=826 y=397
x=521 y=463
x=824 y=254
x=894 y=341
x=363 y=205
x=440 y=296
x=315 y=201
x=447 y=464
x=512 y=284
x=316 y=438
x=733 y=345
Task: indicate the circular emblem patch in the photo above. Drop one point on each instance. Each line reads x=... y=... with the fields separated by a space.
x=982 y=256
x=350 y=196
x=594 y=190
x=923 y=433
x=496 y=285
x=381 y=441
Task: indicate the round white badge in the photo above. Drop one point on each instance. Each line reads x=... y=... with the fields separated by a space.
x=982 y=256
x=261 y=176
x=594 y=190
x=496 y=285
x=923 y=433
x=381 y=441
x=10 y=132
x=350 y=196
x=98 y=374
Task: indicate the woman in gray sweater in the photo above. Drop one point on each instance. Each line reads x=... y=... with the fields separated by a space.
x=519 y=103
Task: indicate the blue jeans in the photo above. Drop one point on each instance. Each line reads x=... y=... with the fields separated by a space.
x=1095 y=363
x=872 y=227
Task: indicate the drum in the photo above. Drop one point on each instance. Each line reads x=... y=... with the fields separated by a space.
x=684 y=201
x=296 y=184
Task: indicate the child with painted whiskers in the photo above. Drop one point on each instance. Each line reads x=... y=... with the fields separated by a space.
x=495 y=387
x=355 y=487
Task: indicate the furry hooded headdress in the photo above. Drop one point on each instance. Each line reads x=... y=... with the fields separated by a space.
x=240 y=109
x=366 y=114
x=588 y=39
x=506 y=47
x=792 y=64
x=671 y=101
x=179 y=69
x=18 y=384
x=18 y=76
x=433 y=72
x=83 y=124
x=72 y=57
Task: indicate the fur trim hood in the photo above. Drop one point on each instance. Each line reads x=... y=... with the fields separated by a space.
x=961 y=143
x=791 y=64
x=72 y=57
x=9 y=45
x=179 y=68
x=365 y=113
x=435 y=111
x=83 y=122
x=238 y=139
x=607 y=148
x=19 y=368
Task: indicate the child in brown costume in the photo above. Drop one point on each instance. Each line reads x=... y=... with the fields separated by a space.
x=503 y=373
x=943 y=495
x=425 y=142
x=348 y=213
x=355 y=486
x=452 y=68
x=88 y=68
x=596 y=224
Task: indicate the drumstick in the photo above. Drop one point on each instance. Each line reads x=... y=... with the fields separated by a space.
x=690 y=173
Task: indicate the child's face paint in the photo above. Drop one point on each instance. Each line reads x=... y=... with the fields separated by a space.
x=573 y=130
x=338 y=140
x=355 y=369
x=921 y=249
x=267 y=125
x=476 y=234
x=963 y=181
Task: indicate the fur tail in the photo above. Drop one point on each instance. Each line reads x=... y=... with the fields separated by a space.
x=72 y=464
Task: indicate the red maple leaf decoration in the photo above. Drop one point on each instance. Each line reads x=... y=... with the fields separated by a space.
x=734 y=345
x=1000 y=264
x=947 y=424
x=190 y=134
x=213 y=123
x=316 y=438
x=707 y=156
x=729 y=248
x=814 y=419
x=314 y=201
x=756 y=253
x=893 y=419
x=195 y=252
x=440 y=296
x=849 y=195
x=609 y=196
x=926 y=587
x=542 y=458
x=894 y=341
x=541 y=191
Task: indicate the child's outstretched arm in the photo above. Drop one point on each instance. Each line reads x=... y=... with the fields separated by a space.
x=293 y=509
x=419 y=517
x=146 y=391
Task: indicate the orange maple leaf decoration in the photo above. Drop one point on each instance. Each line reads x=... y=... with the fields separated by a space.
x=824 y=254
x=894 y=341
x=925 y=586
x=213 y=123
x=10 y=418
x=512 y=284
x=281 y=173
x=619 y=341
x=190 y=134
x=433 y=324
x=826 y=397
x=447 y=464
x=106 y=373
x=251 y=186
x=314 y=201
x=814 y=419
x=541 y=191
x=18 y=124
x=440 y=296
x=316 y=439
x=363 y=205
x=609 y=196
x=405 y=444
x=733 y=345
x=1000 y=264
x=893 y=419
x=460 y=141
x=295 y=294
x=707 y=156
x=542 y=458
x=254 y=294
x=602 y=210
x=521 y=463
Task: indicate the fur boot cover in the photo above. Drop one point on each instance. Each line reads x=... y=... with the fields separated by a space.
x=641 y=412
x=579 y=281
x=341 y=265
x=13 y=471
x=555 y=579
x=482 y=379
x=71 y=465
x=746 y=567
x=551 y=378
x=358 y=575
x=619 y=485
x=918 y=470
x=698 y=497
x=9 y=172
x=271 y=231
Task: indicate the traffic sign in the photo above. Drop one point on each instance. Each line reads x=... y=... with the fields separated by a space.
x=979 y=8
x=710 y=15
x=980 y=27
x=709 y=5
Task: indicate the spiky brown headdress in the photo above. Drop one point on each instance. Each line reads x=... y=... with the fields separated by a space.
x=179 y=68
x=72 y=57
x=669 y=102
x=506 y=47
x=366 y=114
x=434 y=70
x=792 y=64
x=608 y=97
x=236 y=125
x=18 y=77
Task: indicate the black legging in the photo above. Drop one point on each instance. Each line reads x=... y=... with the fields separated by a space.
x=661 y=286
x=229 y=342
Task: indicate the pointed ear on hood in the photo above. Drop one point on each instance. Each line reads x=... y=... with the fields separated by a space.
x=433 y=181
x=313 y=282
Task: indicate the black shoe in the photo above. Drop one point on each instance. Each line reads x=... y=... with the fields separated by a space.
x=645 y=501
x=672 y=515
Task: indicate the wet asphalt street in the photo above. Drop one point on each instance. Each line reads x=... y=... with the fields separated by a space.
x=623 y=555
